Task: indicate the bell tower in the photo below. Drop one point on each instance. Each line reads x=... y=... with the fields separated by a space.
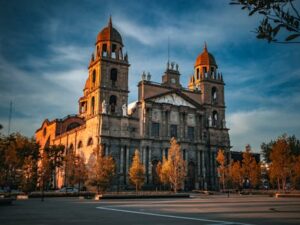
x=106 y=89
x=207 y=79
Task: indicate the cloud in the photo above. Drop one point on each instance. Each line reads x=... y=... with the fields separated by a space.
x=50 y=88
x=261 y=125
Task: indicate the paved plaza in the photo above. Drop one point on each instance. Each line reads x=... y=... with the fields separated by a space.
x=210 y=210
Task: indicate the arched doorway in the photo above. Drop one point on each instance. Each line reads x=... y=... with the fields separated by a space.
x=191 y=176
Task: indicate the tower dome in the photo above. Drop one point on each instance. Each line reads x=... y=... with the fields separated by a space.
x=109 y=34
x=205 y=58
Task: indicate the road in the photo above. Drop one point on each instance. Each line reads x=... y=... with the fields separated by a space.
x=210 y=210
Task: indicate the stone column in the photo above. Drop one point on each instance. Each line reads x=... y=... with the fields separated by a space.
x=198 y=163
x=149 y=122
x=121 y=159
x=186 y=160
x=127 y=164
x=144 y=156
x=212 y=168
x=149 y=165
x=167 y=123
x=181 y=126
x=203 y=170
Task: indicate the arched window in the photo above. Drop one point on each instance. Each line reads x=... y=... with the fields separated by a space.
x=104 y=50
x=214 y=118
x=45 y=132
x=90 y=142
x=198 y=77
x=214 y=95
x=113 y=76
x=112 y=103
x=94 y=76
x=79 y=144
x=113 y=51
x=93 y=105
x=72 y=126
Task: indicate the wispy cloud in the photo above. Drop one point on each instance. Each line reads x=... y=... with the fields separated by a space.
x=261 y=125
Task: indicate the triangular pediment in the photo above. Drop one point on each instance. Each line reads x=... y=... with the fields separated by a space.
x=173 y=99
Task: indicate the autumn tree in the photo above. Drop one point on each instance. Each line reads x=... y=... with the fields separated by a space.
x=44 y=172
x=280 y=18
x=174 y=167
x=162 y=171
x=281 y=163
x=235 y=173
x=296 y=171
x=293 y=142
x=56 y=157
x=250 y=168
x=102 y=171
x=81 y=172
x=137 y=171
x=28 y=156
x=222 y=167
x=70 y=168
x=18 y=162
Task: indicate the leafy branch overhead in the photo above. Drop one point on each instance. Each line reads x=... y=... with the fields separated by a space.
x=280 y=19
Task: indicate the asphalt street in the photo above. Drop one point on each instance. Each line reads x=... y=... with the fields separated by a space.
x=210 y=210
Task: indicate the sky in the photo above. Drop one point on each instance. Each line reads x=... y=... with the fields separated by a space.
x=45 y=48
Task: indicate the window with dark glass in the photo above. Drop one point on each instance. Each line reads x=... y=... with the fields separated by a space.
x=112 y=103
x=93 y=105
x=173 y=130
x=215 y=118
x=113 y=76
x=214 y=95
x=155 y=130
x=191 y=133
x=94 y=77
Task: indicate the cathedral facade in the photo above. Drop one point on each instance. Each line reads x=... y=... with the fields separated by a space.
x=195 y=116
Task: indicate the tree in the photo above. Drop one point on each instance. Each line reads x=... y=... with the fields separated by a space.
x=236 y=174
x=162 y=171
x=102 y=171
x=222 y=167
x=250 y=168
x=56 y=157
x=296 y=172
x=174 y=167
x=29 y=156
x=18 y=162
x=137 y=171
x=293 y=142
x=44 y=172
x=80 y=173
x=278 y=15
x=281 y=163
x=255 y=173
x=70 y=168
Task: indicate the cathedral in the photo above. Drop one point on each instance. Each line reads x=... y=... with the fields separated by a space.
x=195 y=116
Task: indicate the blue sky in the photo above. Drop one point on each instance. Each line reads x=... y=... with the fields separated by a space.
x=45 y=47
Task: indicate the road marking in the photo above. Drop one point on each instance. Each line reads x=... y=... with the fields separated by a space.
x=171 y=216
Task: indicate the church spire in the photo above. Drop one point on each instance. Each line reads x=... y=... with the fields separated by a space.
x=205 y=46
x=110 y=22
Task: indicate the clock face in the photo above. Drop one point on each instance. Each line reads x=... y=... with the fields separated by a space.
x=173 y=81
